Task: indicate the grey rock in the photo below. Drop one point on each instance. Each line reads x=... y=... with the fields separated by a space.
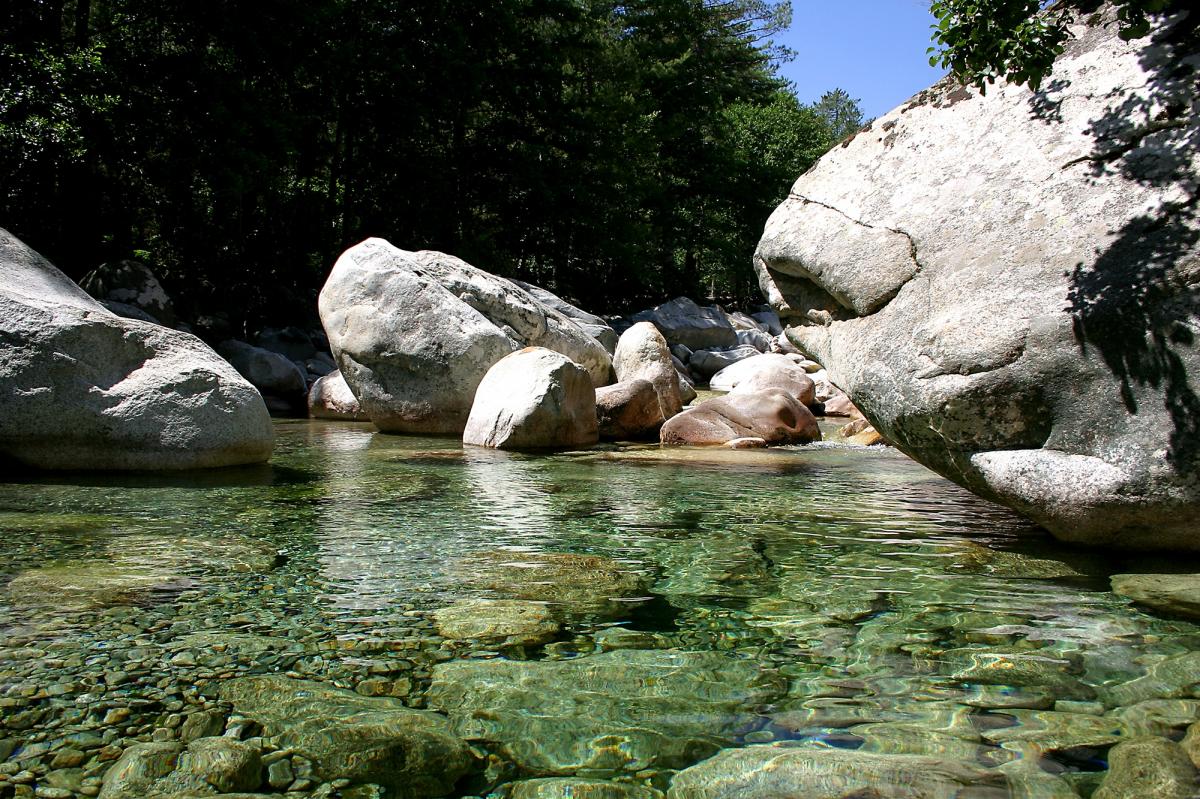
x=131 y=285
x=772 y=414
x=593 y=325
x=628 y=411
x=574 y=788
x=775 y=772
x=770 y=322
x=533 y=399
x=415 y=332
x=140 y=767
x=707 y=363
x=1005 y=285
x=756 y=339
x=83 y=388
x=292 y=342
x=363 y=739
x=642 y=353
x=682 y=321
x=331 y=398
x=266 y=370
x=226 y=764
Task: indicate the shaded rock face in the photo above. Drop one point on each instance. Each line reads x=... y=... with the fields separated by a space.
x=1005 y=285
x=83 y=388
x=131 y=284
x=415 y=332
x=682 y=321
x=612 y=713
x=266 y=370
x=773 y=415
x=533 y=399
x=331 y=398
x=379 y=740
x=593 y=325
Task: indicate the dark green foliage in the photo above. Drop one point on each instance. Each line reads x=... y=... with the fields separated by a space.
x=607 y=150
x=982 y=41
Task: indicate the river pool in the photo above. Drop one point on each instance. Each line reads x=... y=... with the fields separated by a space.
x=607 y=617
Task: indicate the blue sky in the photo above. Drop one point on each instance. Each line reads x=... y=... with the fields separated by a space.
x=874 y=49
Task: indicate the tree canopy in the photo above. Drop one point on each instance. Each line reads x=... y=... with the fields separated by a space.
x=616 y=152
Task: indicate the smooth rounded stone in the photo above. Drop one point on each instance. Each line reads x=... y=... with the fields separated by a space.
x=642 y=353
x=891 y=738
x=331 y=398
x=773 y=415
x=413 y=753
x=682 y=321
x=1016 y=350
x=137 y=568
x=612 y=638
x=591 y=324
x=574 y=788
x=414 y=333
x=204 y=724
x=226 y=764
x=590 y=585
x=612 y=713
x=756 y=339
x=267 y=371
x=1148 y=767
x=533 y=399
x=707 y=363
x=1175 y=594
x=1191 y=744
x=1027 y=780
x=840 y=405
x=687 y=389
x=766 y=371
x=131 y=283
x=1051 y=731
x=504 y=622
x=628 y=411
x=82 y=585
x=861 y=434
x=1000 y=697
x=136 y=774
x=782 y=772
x=749 y=442
x=976 y=558
x=87 y=389
x=1171 y=677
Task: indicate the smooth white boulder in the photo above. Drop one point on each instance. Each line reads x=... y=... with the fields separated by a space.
x=413 y=333
x=642 y=353
x=83 y=388
x=331 y=398
x=533 y=399
x=766 y=371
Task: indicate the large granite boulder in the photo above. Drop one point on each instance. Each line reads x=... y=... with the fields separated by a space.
x=129 y=288
x=772 y=414
x=415 y=332
x=642 y=353
x=533 y=399
x=331 y=398
x=268 y=371
x=83 y=388
x=706 y=363
x=1006 y=284
x=413 y=753
x=593 y=325
x=682 y=321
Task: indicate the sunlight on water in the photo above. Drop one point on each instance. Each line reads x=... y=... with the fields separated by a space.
x=662 y=605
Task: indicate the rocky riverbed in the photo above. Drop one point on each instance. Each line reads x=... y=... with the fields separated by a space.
x=378 y=616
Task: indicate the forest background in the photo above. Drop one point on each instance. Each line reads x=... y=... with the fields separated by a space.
x=618 y=153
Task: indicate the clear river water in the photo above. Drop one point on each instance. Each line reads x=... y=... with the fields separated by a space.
x=610 y=616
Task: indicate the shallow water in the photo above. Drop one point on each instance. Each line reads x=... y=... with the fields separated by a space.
x=837 y=597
